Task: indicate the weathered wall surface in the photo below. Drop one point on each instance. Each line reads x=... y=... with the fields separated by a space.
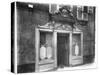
x=28 y=18
x=89 y=39
x=88 y=30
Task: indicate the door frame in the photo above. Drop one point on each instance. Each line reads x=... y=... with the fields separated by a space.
x=81 y=56
x=37 y=42
x=37 y=39
x=70 y=41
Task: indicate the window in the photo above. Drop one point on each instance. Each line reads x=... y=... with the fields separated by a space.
x=52 y=8
x=79 y=12
x=46 y=47
x=76 y=45
x=82 y=13
x=90 y=9
x=55 y=7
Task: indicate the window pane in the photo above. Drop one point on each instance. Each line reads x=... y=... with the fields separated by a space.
x=76 y=45
x=46 y=47
x=79 y=15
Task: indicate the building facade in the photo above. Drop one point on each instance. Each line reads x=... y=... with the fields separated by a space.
x=51 y=36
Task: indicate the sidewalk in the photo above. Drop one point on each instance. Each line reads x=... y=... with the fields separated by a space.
x=81 y=67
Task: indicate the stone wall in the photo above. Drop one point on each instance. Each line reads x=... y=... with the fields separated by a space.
x=27 y=19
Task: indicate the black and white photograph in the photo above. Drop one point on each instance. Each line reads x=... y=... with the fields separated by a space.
x=51 y=37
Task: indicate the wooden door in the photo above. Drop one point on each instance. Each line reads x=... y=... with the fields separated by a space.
x=63 y=49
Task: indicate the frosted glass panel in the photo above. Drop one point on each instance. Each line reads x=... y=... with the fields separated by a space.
x=49 y=52
x=46 y=47
x=76 y=44
x=42 y=52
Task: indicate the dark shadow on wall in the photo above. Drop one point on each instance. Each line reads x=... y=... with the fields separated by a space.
x=25 y=68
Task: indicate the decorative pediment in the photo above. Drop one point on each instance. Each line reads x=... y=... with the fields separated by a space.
x=59 y=26
x=56 y=26
x=77 y=28
x=48 y=25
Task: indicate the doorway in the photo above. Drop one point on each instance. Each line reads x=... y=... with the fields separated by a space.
x=63 y=49
x=57 y=49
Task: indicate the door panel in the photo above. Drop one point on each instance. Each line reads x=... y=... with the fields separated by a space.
x=63 y=49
